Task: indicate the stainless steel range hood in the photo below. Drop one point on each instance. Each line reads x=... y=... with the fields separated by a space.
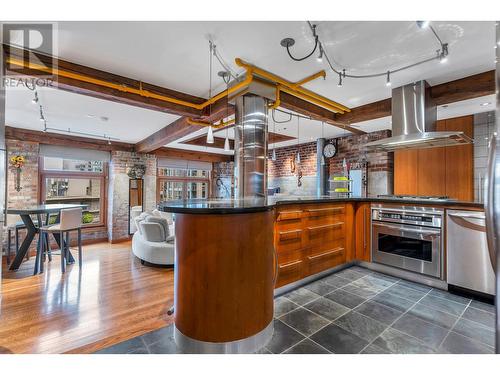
x=414 y=122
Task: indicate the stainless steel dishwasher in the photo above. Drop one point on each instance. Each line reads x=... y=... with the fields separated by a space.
x=468 y=262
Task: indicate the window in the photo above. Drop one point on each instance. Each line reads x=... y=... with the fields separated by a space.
x=178 y=183
x=77 y=182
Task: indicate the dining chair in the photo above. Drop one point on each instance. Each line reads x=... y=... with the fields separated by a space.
x=70 y=220
x=14 y=228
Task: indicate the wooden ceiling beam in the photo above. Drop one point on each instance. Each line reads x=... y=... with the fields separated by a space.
x=65 y=140
x=102 y=92
x=175 y=153
x=470 y=87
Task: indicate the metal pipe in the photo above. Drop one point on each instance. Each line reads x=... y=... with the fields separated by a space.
x=297 y=89
x=321 y=172
x=250 y=146
x=283 y=85
x=312 y=77
x=218 y=125
x=131 y=90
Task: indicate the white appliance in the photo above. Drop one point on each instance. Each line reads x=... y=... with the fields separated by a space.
x=468 y=260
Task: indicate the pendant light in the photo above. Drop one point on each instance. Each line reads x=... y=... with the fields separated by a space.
x=210 y=135
x=298 y=140
x=227 y=147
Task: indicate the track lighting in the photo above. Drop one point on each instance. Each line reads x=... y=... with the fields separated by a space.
x=109 y=141
x=210 y=135
x=443 y=56
x=323 y=54
x=35 y=99
x=42 y=118
x=298 y=157
x=320 y=56
x=273 y=158
x=423 y=24
x=388 y=80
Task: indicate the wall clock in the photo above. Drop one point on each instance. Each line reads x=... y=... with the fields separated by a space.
x=330 y=150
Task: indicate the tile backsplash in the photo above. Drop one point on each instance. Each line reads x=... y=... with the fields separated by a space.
x=484 y=126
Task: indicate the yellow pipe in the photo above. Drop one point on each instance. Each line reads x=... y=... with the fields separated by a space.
x=218 y=125
x=140 y=91
x=311 y=100
x=277 y=101
x=321 y=73
x=298 y=90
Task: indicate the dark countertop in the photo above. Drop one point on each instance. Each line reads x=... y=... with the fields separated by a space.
x=237 y=206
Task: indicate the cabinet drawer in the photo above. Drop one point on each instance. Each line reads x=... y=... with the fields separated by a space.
x=325 y=260
x=324 y=211
x=290 y=215
x=289 y=272
x=325 y=233
x=289 y=235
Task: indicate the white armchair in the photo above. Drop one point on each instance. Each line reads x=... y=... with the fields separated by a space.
x=153 y=241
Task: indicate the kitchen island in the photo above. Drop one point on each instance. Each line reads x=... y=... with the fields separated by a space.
x=232 y=254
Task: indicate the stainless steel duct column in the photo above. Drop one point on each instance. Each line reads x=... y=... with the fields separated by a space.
x=250 y=146
x=321 y=170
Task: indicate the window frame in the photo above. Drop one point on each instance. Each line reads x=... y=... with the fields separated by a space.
x=184 y=179
x=102 y=176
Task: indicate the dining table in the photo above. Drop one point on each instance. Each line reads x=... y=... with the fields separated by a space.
x=38 y=211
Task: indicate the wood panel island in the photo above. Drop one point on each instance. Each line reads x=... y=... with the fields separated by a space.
x=232 y=254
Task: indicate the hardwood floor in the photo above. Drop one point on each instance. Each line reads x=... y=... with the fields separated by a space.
x=113 y=299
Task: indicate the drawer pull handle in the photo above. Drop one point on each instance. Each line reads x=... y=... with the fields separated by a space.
x=290 y=234
x=329 y=252
x=289 y=215
x=290 y=264
x=327 y=226
x=324 y=211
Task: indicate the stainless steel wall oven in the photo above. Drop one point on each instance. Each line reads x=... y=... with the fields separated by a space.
x=408 y=237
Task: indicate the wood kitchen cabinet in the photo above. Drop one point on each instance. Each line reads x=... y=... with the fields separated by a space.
x=362 y=232
x=438 y=171
x=310 y=238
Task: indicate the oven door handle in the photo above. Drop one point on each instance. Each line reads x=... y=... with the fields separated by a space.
x=402 y=230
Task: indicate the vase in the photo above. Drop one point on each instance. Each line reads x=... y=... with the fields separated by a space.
x=18 y=179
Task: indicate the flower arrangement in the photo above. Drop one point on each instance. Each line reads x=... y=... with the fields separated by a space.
x=17 y=163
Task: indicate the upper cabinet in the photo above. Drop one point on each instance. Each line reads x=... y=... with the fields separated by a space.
x=440 y=170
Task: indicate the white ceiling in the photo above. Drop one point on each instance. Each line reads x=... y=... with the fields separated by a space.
x=175 y=55
x=82 y=113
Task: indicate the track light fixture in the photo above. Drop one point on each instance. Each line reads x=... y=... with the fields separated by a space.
x=35 y=99
x=443 y=54
x=210 y=135
x=273 y=158
x=320 y=56
x=423 y=24
x=227 y=147
x=323 y=55
x=388 y=80
x=42 y=118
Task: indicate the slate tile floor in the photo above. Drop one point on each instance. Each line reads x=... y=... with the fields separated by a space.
x=360 y=311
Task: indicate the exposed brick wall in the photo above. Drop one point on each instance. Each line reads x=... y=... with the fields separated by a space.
x=351 y=148
x=117 y=210
x=225 y=172
x=118 y=199
x=281 y=167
